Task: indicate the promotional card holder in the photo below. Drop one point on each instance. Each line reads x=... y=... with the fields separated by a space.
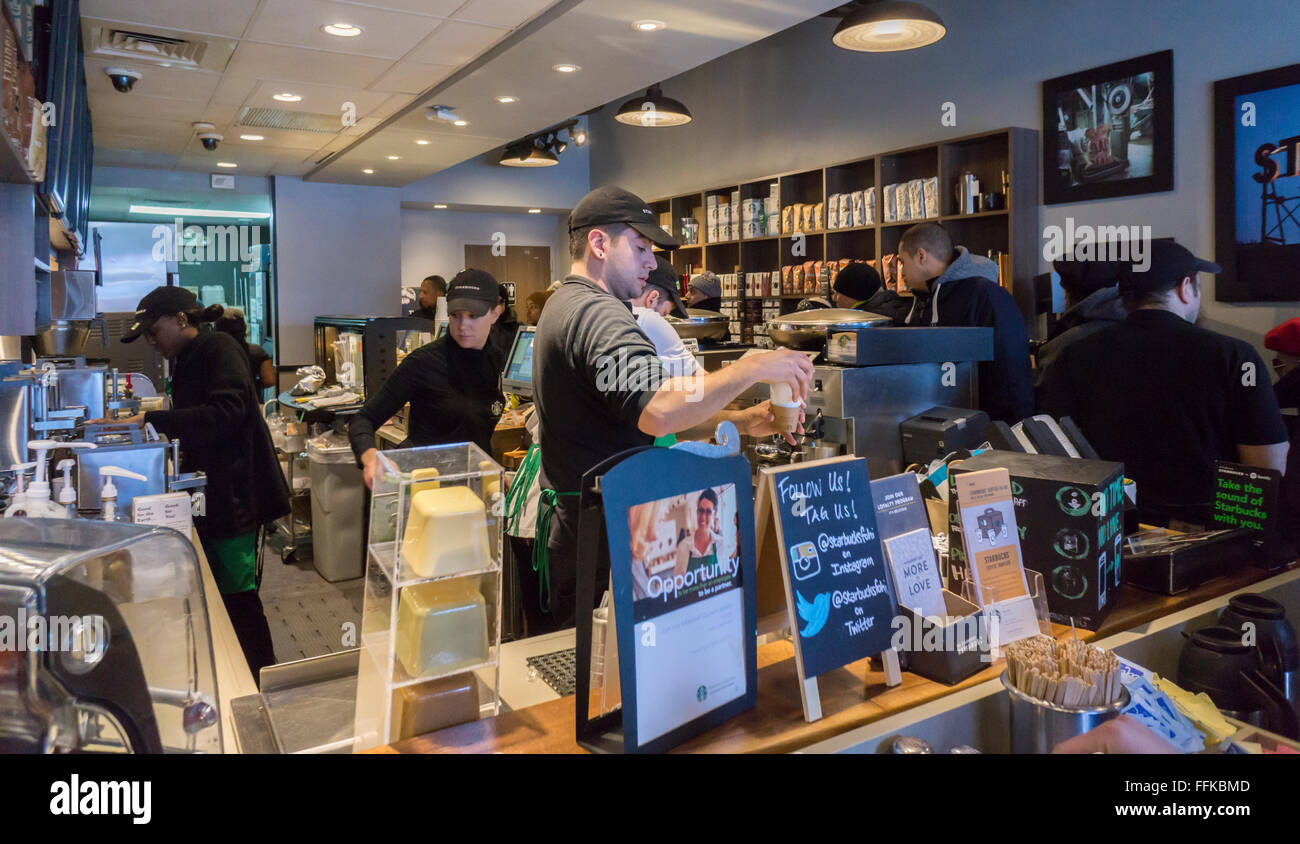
x=997 y=635
x=772 y=534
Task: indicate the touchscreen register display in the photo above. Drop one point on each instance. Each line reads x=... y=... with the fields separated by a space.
x=520 y=367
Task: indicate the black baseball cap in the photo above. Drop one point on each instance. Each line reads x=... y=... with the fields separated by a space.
x=1170 y=263
x=612 y=204
x=664 y=277
x=859 y=281
x=475 y=291
x=159 y=302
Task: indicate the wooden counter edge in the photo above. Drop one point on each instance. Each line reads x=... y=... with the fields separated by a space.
x=776 y=723
x=234 y=679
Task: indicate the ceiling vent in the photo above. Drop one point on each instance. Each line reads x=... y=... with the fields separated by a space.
x=123 y=43
x=297 y=121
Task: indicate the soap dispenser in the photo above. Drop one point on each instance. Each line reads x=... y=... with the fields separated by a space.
x=18 y=504
x=39 y=503
x=68 y=494
x=109 y=494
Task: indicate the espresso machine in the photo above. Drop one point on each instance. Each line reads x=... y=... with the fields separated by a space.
x=114 y=647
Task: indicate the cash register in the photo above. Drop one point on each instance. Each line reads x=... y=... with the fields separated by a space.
x=517 y=377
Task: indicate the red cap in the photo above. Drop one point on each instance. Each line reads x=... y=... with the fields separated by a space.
x=1285 y=338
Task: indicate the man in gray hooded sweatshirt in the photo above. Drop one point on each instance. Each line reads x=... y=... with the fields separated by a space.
x=955 y=288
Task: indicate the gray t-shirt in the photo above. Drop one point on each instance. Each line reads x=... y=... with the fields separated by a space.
x=594 y=371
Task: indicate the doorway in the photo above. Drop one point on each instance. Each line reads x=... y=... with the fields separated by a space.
x=528 y=268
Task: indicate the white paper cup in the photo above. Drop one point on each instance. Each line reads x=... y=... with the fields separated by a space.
x=781 y=393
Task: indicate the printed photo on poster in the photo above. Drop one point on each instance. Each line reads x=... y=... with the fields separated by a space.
x=1109 y=131
x=1257 y=186
x=683 y=548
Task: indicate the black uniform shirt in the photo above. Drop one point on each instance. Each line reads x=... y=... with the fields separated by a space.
x=594 y=371
x=455 y=396
x=1167 y=399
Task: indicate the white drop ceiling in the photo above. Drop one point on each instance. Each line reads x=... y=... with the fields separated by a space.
x=411 y=53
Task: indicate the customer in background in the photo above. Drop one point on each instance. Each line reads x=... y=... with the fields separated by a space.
x=231 y=321
x=705 y=292
x=452 y=384
x=533 y=309
x=952 y=287
x=858 y=287
x=431 y=288
x=1284 y=342
x=218 y=421
x=659 y=298
x=1091 y=303
x=1165 y=397
x=506 y=326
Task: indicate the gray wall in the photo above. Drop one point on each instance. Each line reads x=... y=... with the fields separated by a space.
x=794 y=101
x=338 y=251
x=434 y=241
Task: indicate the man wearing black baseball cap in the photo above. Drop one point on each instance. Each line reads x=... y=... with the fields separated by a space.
x=858 y=287
x=600 y=387
x=657 y=300
x=1166 y=397
x=453 y=383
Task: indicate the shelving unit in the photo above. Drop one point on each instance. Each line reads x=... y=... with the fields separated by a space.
x=1011 y=230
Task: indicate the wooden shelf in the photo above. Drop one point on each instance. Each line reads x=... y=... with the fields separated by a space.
x=851 y=229
x=911 y=222
x=1000 y=213
x=13 y=170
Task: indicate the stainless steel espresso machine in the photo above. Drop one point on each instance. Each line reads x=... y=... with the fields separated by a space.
x=869 y=377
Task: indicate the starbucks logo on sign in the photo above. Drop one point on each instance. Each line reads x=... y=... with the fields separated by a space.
x=1074 y=501
x=701 y=693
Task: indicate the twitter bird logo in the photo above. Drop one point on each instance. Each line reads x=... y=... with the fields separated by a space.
x=814 y=614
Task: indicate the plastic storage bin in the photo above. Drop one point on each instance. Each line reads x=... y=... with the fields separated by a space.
x=431 y=621
x=338 y=501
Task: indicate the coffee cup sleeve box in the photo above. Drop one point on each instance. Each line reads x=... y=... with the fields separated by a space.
x=1070 y=515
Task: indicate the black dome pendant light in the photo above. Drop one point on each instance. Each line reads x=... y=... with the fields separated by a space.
x=887 y=26
x=653 y=110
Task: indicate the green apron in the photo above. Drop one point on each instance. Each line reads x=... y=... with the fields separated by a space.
x=693 y=562
x=233 y=562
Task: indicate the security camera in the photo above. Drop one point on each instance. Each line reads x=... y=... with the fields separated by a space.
x=123 y=78
x=208 y=135
x=438 y=112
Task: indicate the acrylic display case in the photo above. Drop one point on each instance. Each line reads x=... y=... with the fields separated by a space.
x=116 y=651
x=431 y=621
x=361 y=352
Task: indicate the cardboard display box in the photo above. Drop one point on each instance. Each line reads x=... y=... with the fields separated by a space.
x=947 y=654
x=1070 y=514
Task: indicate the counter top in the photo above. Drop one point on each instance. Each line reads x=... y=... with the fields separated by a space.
x=851 y=696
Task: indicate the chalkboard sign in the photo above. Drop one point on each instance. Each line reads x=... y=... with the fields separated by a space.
x=1245 y=496
x=837 y=582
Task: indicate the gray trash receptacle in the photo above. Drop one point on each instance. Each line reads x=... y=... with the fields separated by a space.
x=338 y=500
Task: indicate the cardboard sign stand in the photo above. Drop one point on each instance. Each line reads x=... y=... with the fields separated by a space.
x=772 y=546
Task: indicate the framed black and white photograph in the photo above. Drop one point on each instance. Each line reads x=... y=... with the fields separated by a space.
x=1257 y=186
x=1109 y=131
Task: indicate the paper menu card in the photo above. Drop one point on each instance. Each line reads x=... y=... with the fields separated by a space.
x=916 y=572
x=989 y=530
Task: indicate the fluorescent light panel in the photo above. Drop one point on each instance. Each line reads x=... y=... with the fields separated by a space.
x=169 y=211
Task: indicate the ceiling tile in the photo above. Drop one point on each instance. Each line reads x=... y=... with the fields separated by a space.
x=166 y=143
x=511 y=13
x=228 y=17
x=145 y=109
x=294 y=64
x=408 y=77
x=233 y=90
x=105 y=157
x=318 y=99
x=274 y=140
x=390 y=107
x=435 y=8
x=298 y=22
x=456 y=43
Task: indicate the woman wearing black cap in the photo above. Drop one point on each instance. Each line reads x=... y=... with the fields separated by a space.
x=858 y=288
x=218 y=420
x=452 y=383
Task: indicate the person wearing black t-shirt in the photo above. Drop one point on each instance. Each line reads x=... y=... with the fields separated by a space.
x=231 y=321
x=1168 y=398
x=452 y=383
x=431 y=288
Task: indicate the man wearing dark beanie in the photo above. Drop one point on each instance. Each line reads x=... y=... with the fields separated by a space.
x=858 y=287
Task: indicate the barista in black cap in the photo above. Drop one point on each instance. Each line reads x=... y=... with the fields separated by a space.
x=600 y=389
x=858 y=287
x=1166 y=397
x=218 y=420
x=453 y=383
x=658 y=299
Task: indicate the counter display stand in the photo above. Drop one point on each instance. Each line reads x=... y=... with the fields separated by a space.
x=431 y=620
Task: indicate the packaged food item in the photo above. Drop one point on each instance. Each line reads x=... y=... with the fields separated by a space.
x=435 y=705
x=890 y=198
x=441 y=627
x=796 y=279
x=901 y=203
x=819 y=217
x=915 y=200
x=809 y=276
x=931 y=189
x=787 y=283
x=888 y=274
x=446 y=532
x=833 y=211
x=806 y=211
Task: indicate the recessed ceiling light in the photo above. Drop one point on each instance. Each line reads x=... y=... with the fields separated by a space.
x=566 y=68
x=342 y=30
x=439 y=205
x=227 y=164
x=506 y=100
x=422 y=142
x=534 y=210
x=648 y=25
x=393 y=157
x=252 y=137
x=368 y=171
x=460 y=123
x=286 y=97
